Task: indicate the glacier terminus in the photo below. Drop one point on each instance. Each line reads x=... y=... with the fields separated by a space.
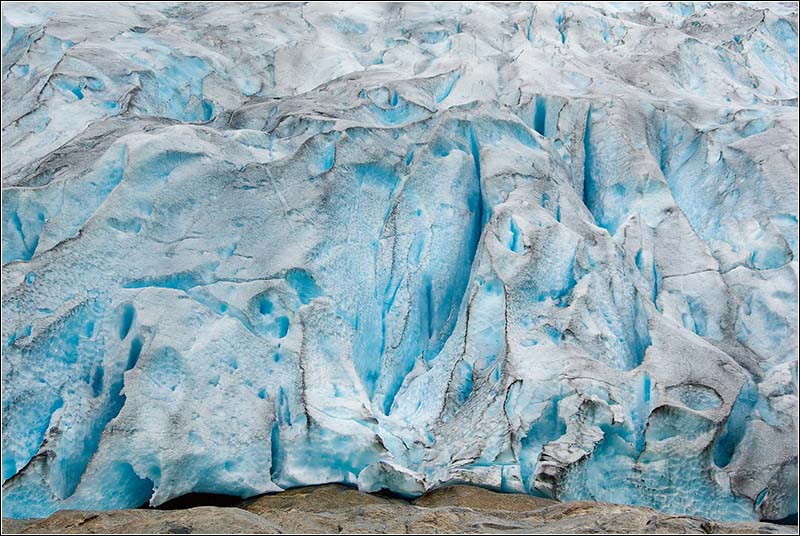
x=547 y=248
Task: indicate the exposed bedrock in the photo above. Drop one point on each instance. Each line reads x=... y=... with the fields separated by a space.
x=333 y=508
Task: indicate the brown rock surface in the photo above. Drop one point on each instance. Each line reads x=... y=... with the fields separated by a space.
x=338 y=509
x=484 y=499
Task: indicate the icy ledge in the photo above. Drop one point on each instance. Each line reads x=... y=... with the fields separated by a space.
x=548 y=249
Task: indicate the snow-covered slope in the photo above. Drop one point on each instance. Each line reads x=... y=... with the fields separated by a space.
x=538 y=247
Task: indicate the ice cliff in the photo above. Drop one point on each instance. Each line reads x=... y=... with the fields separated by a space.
x=548 y=248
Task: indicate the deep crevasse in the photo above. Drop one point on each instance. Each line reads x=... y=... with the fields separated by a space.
x=539 y=248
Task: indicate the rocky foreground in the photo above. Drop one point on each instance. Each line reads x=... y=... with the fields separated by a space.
x=338 y=509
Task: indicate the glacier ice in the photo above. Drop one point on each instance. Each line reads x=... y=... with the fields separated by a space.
x=543 y=248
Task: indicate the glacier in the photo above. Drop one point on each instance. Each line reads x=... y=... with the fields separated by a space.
x=547 y=248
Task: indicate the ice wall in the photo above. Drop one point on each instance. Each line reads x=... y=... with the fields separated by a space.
x=544 y=248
